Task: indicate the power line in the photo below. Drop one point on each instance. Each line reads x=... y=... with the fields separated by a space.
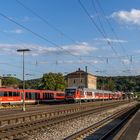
x=36 y=34
x=44 y=20
x=97 y=27
x=109 y=23
x=111 y=27
x=101 y=25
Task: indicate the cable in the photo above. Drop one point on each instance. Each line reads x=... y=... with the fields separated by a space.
x=108 y=22
x=101 y=25
x=44 y=20
x=99 y=30
x=97 y=27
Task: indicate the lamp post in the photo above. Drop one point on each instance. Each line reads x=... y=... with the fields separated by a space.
x=23 y=96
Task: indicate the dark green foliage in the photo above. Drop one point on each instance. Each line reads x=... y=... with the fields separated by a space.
x=33 y=84
x=53 y=81
x=56 y=81
x=120 y=83
x=10 y=81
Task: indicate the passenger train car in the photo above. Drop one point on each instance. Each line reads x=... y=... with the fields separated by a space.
x=73 y=94
x=52 y=96
x=15 y=96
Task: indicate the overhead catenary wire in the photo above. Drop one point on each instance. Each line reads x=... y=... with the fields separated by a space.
x=109 y=23
x=101 y=25
x=99 y=29
x=54 y=44
x=45 y=21
x=38 y=35
x=113 y=31
x=48 y=23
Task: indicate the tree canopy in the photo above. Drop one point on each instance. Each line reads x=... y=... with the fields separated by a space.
x=10 y=81
x=53 y=81
x=56 y=81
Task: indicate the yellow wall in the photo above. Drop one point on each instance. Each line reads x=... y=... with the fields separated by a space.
x=81 y=81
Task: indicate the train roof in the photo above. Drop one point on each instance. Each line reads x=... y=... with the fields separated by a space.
x=91 y=90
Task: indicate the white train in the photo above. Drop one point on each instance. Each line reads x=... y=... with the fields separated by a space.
x=77 y=95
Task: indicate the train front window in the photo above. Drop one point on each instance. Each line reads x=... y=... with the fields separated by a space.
x=70 y=92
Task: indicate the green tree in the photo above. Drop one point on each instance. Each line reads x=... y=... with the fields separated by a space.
x=53 y=81
x=111 y=84
x=10 y=81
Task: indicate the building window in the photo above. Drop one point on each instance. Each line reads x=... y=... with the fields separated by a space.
x=74 y=81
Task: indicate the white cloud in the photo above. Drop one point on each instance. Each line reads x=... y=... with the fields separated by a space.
x=126 y=61
x=111 y=40
x=131 y=17
x=26 y=19
x=81 y=49
x=18 y=31
x=15 y=31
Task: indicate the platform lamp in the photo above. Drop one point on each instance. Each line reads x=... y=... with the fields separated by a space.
x=23 y=96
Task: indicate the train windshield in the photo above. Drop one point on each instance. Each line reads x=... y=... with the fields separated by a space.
x=70 y=92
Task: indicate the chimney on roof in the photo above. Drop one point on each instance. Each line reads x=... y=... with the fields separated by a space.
x=78 y=69
x=86 y=69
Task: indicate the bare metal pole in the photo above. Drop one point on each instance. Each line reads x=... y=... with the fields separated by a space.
x=24 y=108
x=23 y=94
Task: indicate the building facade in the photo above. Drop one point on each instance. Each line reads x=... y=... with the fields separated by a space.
x=81 y=79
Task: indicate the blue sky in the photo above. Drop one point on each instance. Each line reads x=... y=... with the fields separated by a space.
x=64 y=35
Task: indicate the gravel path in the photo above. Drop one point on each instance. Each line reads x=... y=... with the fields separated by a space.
x=61 y=131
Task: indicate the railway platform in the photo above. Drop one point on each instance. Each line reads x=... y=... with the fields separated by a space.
x=133 y=131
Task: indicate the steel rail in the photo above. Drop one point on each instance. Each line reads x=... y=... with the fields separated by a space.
x=13 y=131
x=36 y=115
x=90 y=129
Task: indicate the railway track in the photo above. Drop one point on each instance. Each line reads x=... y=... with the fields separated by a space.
x=40 y=113
x=106 y=128
x=16 y=130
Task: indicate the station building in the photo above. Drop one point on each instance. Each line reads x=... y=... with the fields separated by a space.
x=81 y=79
